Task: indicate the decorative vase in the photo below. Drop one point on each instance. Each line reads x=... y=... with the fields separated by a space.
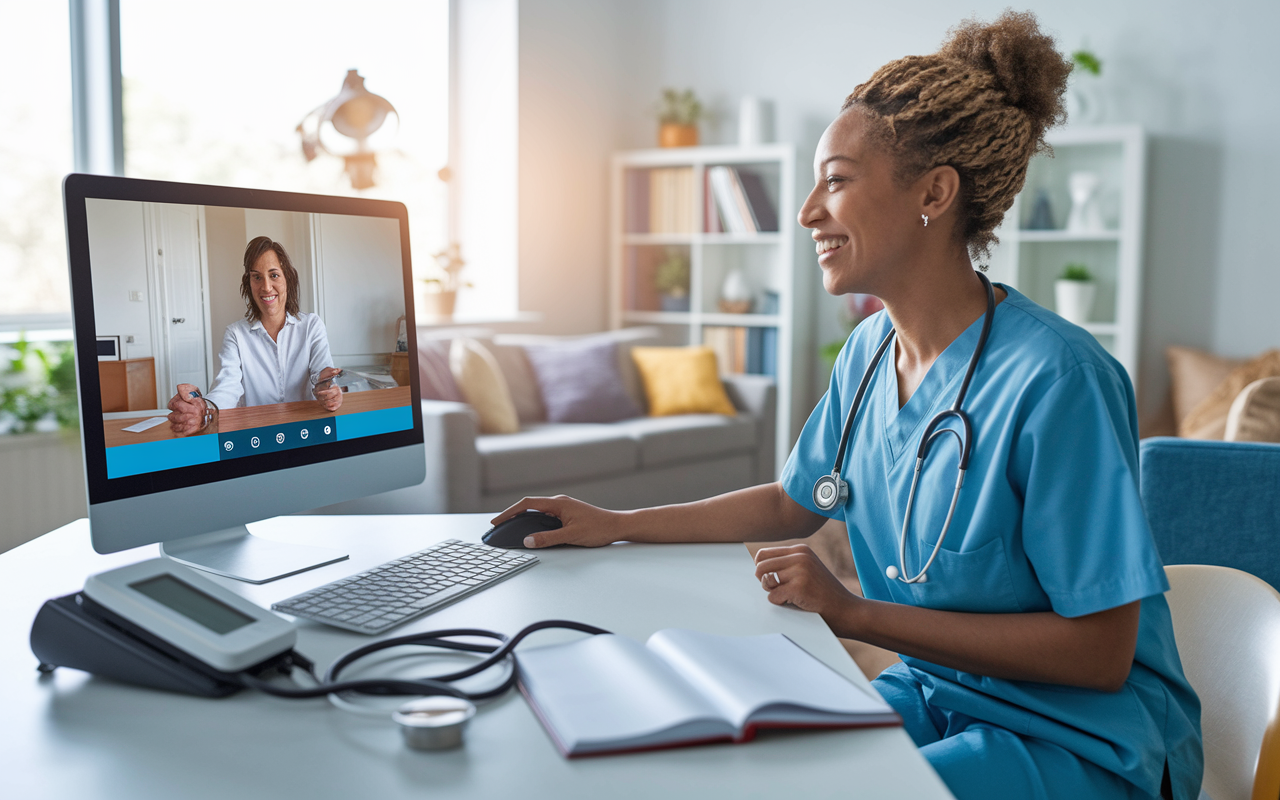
x=675 y=302
x=1086 y=216
x=755 y=122
x=735 y=293
x=1074 y=300
x=674 y=135
x=438 y=306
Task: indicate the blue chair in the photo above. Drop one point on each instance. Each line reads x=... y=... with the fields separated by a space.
x=1214 y=503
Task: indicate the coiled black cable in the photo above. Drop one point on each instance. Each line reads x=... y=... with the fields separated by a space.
x=435 y=685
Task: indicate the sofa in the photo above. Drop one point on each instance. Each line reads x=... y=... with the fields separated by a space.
x=624 y=464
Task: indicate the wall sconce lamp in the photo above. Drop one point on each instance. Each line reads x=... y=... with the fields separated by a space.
x=356 y=113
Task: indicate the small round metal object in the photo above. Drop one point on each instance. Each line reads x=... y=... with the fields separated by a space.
x=434 y=723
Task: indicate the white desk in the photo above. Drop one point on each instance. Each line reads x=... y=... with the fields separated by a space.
x=73 y=736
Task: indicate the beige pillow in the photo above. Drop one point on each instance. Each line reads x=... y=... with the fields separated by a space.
x=1255 y=413
x=525 y=394
x=480 y=381
x=1208 y=420
x=1194 y=374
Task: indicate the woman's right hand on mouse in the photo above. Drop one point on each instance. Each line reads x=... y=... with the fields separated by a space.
x=584 y=525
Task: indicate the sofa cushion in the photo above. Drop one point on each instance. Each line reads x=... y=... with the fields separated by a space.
x=1208 y=420
x=691 y=437
x=579 y=382
x=626 y=338
x=521 y=381
x=481 y=383
x=434 y=376
x=1255 y=414
x=545 y=454
x=682 y=380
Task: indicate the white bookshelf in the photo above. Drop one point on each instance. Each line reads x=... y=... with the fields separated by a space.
x=1031 y=260
x=766 y=259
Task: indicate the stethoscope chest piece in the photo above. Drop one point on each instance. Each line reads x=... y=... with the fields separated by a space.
x=830 y=492
x=434 y=723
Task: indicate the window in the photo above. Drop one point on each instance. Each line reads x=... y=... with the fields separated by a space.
x=213 y=93
x=35 y=152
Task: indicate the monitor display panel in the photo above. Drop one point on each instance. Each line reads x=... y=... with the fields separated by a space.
x=279 y=327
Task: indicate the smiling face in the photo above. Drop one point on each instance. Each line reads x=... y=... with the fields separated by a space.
x=268 y=286
x=865 y=224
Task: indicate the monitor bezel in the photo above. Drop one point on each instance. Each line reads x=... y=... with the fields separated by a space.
x=77 y=189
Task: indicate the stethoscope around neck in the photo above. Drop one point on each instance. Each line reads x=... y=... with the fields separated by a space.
x=831 y=491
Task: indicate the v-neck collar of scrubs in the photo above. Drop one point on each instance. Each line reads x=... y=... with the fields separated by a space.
x=902 y=426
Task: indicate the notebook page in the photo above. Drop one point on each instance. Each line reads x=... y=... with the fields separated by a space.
x=741 y=674
x=608 y=690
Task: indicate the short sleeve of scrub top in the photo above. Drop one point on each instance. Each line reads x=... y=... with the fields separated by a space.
x=1049 y=519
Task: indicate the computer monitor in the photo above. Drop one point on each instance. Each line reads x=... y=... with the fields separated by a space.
x=158 y=271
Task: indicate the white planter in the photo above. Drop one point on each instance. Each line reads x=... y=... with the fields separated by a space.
x=1074 y=300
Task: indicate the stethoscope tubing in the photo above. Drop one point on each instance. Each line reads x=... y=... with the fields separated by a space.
x=931 y=432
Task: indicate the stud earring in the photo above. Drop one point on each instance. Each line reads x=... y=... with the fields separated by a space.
x=925 y=217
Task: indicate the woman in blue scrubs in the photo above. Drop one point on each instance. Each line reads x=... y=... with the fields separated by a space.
x=1038 y=658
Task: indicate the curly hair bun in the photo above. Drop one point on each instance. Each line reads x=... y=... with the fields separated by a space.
x=1025 y=63
x=981 y=105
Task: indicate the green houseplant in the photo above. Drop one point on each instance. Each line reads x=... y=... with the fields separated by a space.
x=1073 y=293
x=38 y=385
x=678 y=117
x=672 y=280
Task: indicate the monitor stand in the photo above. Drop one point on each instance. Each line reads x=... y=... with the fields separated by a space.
x=236 y=553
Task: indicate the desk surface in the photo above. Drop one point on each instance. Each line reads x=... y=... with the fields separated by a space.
x=73 y=735
x=239 y=419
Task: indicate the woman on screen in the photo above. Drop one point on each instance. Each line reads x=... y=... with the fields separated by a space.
x=274 y=355
x=1038 y=657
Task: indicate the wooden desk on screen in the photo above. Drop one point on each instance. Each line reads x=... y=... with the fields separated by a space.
x=238 y=419
x=128 y=385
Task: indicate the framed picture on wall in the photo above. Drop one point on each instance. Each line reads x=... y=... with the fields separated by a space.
x=109 y=348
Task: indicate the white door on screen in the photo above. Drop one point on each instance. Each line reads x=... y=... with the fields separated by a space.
x=179 y=256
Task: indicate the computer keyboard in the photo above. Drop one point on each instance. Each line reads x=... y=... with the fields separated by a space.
x=398 y=591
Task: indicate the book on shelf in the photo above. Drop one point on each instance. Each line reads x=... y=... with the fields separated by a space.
x=611 y=694
x=741 y=200
x=743 y=349
x=671 y=200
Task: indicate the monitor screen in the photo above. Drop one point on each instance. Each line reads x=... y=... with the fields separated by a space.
x=253 y=331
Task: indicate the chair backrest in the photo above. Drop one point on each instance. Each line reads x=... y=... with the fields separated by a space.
x=1227 y=625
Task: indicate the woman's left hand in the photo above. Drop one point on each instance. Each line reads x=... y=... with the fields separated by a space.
x=795 y=575
x=330 y=398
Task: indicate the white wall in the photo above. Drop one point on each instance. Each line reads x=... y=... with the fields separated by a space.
x=118 y=262
x=363 y=291
x=1197 y=75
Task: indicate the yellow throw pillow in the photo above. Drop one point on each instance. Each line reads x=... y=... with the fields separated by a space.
x=681 y=380
x=480 y=381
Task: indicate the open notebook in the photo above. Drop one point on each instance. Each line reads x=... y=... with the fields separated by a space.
x=609 y=694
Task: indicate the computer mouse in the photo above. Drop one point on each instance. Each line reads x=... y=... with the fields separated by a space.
x=510 y=534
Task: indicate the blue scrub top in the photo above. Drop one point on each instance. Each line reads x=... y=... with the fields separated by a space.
x=1049 y=519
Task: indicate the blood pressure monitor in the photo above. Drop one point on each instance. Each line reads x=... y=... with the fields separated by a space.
x=192 y=613
x=160 y=624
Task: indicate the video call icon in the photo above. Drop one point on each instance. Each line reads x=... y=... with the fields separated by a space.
x=279 y=438
x=254 y=442
x=304 y=433
x=327 y=430
x=228 y=446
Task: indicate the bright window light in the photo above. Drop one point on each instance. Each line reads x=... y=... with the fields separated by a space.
x=213 y=93
x=35 y=152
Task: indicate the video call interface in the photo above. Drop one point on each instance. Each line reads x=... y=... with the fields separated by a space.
x=315 y=353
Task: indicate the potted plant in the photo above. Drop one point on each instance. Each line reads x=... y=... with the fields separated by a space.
x=1084 y=103
x=1073 y=293
x=678 y=115
x=440 y=292
x=672 y=280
